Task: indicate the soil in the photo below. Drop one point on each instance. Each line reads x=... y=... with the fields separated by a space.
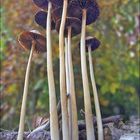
x=114 y=129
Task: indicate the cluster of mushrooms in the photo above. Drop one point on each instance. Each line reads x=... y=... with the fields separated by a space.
x=69 y=18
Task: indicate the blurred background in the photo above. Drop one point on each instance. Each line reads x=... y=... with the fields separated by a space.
x=116 y=62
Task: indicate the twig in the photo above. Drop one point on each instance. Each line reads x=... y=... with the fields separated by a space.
x=111 y=119
x=46 y=126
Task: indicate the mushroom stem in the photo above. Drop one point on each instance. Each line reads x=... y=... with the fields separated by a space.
x=25 y=93
x=52 y=93
x=96 y=100
x=65 y=128
x=87 y=101
x=68 y=87
x=67 y=67
x=73 y=112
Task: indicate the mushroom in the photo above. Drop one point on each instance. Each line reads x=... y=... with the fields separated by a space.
x=47 y=4
x=72 y=28
x=65 y=128
x=52 y=92
x=87 y=101
x=88 y=14
x=92 y=44
x=89 y=8
x=34 y=42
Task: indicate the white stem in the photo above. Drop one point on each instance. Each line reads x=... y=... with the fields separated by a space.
x=96 y=100
x=66 y=66
x=73 y=113
x=68 y=88
x=52 y=94
x=65 y=128
x=87 y=101
x=24 y=99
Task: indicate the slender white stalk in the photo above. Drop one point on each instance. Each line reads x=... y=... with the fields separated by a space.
x=65 y=128
x=25 y=94
x=52 y=94
x=68 y=88
x=67 y=67
x=87 y=101
x=96 y=100
x=74 y=122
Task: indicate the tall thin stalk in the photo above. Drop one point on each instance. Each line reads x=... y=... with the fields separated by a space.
x=65 y=128
x=25 y=94
x=96 y=100
x=67 y=67
x=68 y=88
x=87 y=101
x=74 y=121
x=52 y=93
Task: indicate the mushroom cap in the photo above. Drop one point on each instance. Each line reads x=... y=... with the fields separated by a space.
x=59 y=3
x=92 y=42
x=72 y=22
x=57 y=13
x=90 y=6
x=26 y=38
x=43 y=4
x=72 y=11
x=41 y=18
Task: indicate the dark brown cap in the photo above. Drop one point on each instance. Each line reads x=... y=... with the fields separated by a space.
x=90 y=6
x=92 y=42
x=72 y=22
x=57 y=13
x=59 y=3
x=43 y=4
x=28 y=37
x=72 y=11
x=41 y=19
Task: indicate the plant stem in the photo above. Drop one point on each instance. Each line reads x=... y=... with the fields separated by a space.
x=52 y=93
x=74 y=121
x=96 y=100
x=87 y=101
x=25 y=93
x=68 y=87
x=67 y=67
x=65 y=128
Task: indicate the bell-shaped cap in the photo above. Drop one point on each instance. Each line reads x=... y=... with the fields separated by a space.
x=59 y=3
x=57 y=13
x=90 y=6
x=26 y=39
x=72 y=22
x=72 y=11
x=92 y=42
x=43 y=4
x=41 y=18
